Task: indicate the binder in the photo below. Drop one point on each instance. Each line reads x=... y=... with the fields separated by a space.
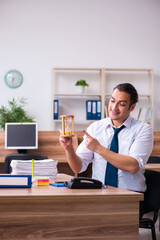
x=148 y=115
x=15 y=181
x=89 y=110
x=98 y=109
x=56 y=109
x=106 y=111
x=94 y=109
x=145 y=114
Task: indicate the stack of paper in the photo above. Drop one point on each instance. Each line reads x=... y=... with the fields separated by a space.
x=47 y=167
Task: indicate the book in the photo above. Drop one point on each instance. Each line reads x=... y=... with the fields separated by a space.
x=145 y=114
x=14 y=181
x=56 y=109
x=106 y=111
x=148 y=114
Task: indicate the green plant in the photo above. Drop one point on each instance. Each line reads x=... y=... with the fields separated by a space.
x=82 y=83
x=15 y=112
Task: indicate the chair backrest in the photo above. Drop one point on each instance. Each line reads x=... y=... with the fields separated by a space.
x=10 y=157
x=153 y=159
x=152 y=195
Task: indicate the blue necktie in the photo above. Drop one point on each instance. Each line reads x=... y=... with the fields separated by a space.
x=111 y=171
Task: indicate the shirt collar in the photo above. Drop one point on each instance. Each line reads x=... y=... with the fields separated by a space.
x=126 y=123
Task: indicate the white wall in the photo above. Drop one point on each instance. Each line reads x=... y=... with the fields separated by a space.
x=37 y=35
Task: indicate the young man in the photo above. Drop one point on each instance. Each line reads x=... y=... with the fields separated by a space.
x=135 y=142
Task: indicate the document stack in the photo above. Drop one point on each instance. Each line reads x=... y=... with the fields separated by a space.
x=46 y=167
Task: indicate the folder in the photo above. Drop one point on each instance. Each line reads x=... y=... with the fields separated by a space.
x=145 y=114
x=88 y=110
x=56 y=109
x=106 y=111
x=15 y=181
x=98 y=109
x=94 y=109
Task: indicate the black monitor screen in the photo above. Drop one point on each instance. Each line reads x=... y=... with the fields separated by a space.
x=21 y=136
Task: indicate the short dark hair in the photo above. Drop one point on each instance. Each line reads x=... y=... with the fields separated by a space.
x=130 y=89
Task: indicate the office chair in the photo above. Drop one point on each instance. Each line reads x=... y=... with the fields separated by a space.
x=153 y=159
x=151 y=201
x=10 y=157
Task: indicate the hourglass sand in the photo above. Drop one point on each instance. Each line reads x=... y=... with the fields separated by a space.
x=67 y=125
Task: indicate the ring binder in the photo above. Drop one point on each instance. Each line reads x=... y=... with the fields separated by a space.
x=14 y=181
x=56 y=109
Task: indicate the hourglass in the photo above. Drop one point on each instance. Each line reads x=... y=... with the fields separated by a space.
x=67 y=125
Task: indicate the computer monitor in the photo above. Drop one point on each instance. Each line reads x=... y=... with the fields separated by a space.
x=21 y=136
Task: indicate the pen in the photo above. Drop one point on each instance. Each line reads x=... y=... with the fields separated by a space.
x=32 y=167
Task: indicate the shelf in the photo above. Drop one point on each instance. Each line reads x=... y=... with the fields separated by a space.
x=105 y=69
x=77 y=69
x=76 y=122
x=140 y=95
x=101 y=83
x=77 y=95
x=129 y=69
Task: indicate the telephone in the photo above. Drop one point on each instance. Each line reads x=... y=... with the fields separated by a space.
x=83 y=182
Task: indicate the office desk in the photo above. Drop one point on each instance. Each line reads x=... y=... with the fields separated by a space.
x=49 y=213
x=153 y=166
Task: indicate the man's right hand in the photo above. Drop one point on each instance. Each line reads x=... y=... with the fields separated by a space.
x=72 y=158
x=66 y=142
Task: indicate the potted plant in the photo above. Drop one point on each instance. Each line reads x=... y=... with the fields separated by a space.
x=82 y=83
x=15 y=112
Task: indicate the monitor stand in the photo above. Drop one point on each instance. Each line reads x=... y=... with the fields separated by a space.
x=22 y=151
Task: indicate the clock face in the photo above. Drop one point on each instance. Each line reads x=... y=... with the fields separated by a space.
x=13 y=78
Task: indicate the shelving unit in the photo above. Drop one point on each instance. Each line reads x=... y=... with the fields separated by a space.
x=101 y=83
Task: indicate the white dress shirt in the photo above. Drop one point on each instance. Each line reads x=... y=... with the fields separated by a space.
x=135 y=140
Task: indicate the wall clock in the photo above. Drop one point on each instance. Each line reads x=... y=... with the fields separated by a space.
x=13 y=78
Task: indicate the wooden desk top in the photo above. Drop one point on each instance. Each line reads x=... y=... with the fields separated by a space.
x=62 y=213
x=48 y=192
x=153 y=166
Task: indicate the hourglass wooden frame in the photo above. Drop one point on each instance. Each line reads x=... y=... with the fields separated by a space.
x=64 y=126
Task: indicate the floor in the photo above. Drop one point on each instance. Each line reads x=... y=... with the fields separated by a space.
x=145 y=234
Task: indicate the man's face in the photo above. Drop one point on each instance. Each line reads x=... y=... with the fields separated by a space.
x=119 y=107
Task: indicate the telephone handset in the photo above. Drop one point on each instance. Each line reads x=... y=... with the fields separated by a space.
x=84 y=183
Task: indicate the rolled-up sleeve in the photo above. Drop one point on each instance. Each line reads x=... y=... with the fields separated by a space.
x=142 y=145
x=85 y=155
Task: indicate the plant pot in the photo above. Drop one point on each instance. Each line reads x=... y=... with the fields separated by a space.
x=81 y=89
